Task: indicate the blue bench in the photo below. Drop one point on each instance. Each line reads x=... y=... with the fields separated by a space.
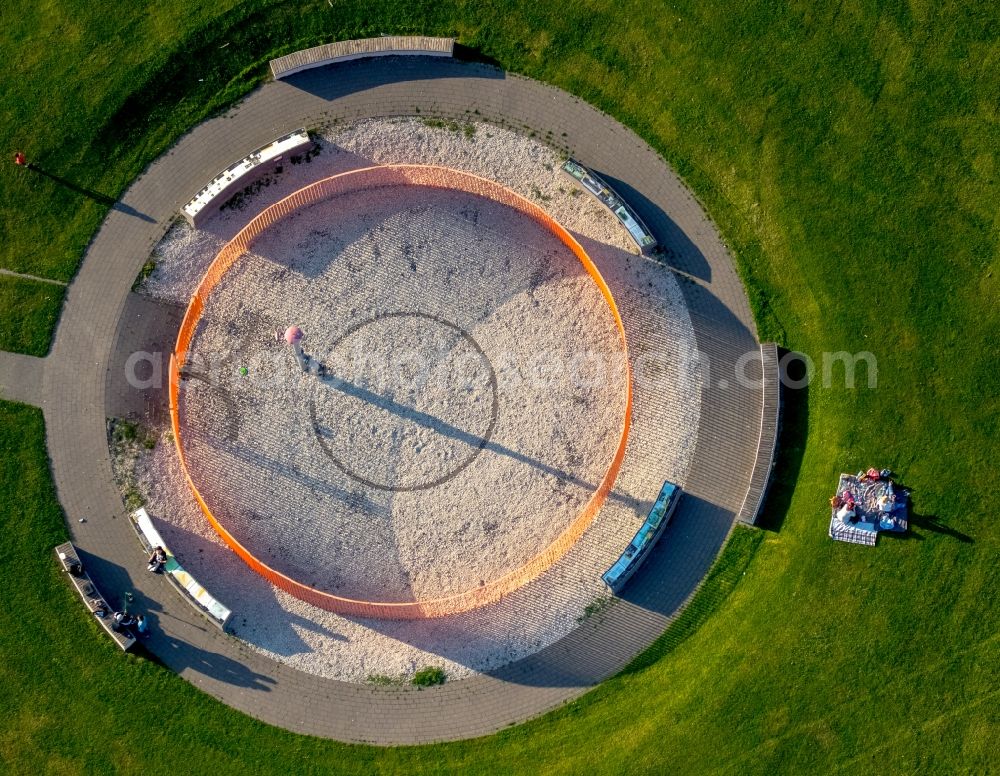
x=647 y=535
x=594 y=185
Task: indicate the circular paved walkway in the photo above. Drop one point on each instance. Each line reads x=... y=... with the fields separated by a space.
x=82 y=380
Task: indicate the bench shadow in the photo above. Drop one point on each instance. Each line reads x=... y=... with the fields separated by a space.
x=656 y=592
x=594 y=650
x=113 y=582
x=372 y=72
x=792 y=437
x=676 y=248
x=468 y=54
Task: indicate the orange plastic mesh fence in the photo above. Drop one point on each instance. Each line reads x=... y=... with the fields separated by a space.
x=372 y=178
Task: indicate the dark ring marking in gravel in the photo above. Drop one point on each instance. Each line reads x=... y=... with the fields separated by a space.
x=478 y=443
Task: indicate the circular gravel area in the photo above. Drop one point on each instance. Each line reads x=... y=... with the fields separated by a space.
x=471 y=399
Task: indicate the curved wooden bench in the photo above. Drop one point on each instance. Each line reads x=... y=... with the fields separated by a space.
x=343 y=50
x=91 y=596
x=767 y=442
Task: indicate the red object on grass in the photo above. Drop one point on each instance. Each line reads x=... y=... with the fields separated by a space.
x=19 y=159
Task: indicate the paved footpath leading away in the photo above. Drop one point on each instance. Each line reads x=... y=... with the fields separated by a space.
x=72 y=387
x=21 y=378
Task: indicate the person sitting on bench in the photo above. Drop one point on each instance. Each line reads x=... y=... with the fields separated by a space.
x=123 y=620
x=156 y=559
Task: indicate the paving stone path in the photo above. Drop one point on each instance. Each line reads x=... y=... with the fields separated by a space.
x=82 y=381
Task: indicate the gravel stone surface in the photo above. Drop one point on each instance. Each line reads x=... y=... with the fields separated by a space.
x=462 y=444
x=472 y=403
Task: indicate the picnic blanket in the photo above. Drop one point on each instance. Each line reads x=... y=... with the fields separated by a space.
x=877 y=502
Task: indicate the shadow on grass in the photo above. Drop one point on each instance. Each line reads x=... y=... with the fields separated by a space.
x=97 y=196
x=792 y=437
x=933 y=523
x=468 y=54
x=930 y=523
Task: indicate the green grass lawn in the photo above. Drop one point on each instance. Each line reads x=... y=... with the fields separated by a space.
x=849 y=154
x=31 y=310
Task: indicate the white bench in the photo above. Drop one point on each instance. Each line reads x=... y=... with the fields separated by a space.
x=344 y=50
x=92 y=598
x=189 y=587
x=241 y=174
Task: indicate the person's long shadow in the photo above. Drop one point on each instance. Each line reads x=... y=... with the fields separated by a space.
x=445 y=429
x=179 y=655
x=930 y=523
x=97 y=196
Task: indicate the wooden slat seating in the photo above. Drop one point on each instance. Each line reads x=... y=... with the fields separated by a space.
x=91 y=596
x=343 y=50
x=189 y=588
x=767 y=443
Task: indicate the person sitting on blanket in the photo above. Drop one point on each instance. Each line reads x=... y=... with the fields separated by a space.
x=156 y=559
